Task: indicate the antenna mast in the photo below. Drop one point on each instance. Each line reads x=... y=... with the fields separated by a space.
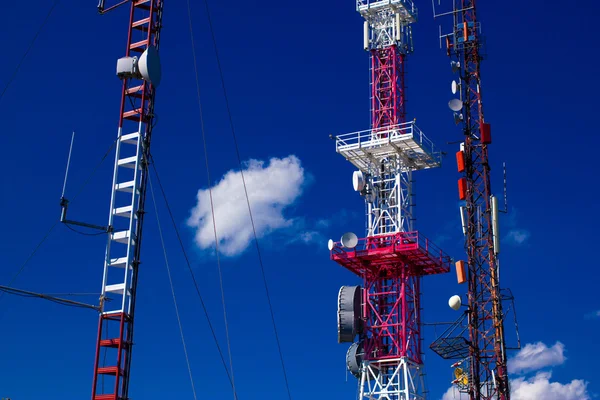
x=140 y=73
x=483 y=351
x=385 y=312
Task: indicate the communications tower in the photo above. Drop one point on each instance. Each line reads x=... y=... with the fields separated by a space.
x=139 y=70
x=481 y=346
x=385 y=311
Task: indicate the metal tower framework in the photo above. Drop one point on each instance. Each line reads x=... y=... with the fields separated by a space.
x=392 y=258
x=126 y=214
x=487 y=347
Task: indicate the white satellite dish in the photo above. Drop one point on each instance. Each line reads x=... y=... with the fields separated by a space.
x=455 y=105
x=349 y=240
x=358 y=181
x=149 y=66
x=330 y=245
x=455 y=302
x=455 y=87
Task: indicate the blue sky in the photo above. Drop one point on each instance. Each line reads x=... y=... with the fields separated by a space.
x=295 y=73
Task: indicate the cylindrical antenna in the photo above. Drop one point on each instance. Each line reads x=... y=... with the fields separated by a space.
x=68 y=164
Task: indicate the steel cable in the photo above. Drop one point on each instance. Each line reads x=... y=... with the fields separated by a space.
x=162 y=242
x=229 y=113
x=195 y=282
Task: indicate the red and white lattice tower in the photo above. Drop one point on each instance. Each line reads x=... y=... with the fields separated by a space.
x=140 y=72
x=385 y=312
x=488 y=377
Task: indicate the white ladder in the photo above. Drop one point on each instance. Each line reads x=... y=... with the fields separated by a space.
x=122 y=220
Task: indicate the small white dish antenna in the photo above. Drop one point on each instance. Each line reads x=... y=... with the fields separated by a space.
x=330 y=245
x=149 y=66
x=349 y=240
x=455 y=105
x=455 y=87
x=455 y=66
x=455 y=302
x=358 y=181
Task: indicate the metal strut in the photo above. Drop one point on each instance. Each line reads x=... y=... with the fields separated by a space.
x=128 y=194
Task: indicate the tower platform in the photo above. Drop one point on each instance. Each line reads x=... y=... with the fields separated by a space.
x=406 y=140
x=385 y=254
x=406 y=8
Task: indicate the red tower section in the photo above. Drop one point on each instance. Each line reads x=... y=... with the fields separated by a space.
x=393 y=257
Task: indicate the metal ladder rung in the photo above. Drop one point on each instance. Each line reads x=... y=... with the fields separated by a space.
x=118 y=288
x=139 y=46
x=139 y=24
x=123 y=211
x=143 y=4
x=128 y=162
x=131 y=138
x=110 y=371
x=125 y=186
x=107 y=397
x=133 y=115
x=134 y=89
x=121 y=237
x=120 y=262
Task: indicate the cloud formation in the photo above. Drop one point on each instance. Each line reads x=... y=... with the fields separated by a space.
x=518 y=236
x=537 y=387
x=271 y=189
x=532 y=357
x=540 y=387
x=535 y=356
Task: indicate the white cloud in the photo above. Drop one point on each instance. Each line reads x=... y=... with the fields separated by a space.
x=453 y=394
x=537 y=387
x=540 y=387
x=592 y=315
x=532 y=357
x=535 y=356
x=271 y=189
x=518 y=236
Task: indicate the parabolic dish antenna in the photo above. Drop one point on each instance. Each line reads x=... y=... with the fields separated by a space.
x=455 y=302
x=149 y=66
x=349 y=240
x=330 y=245
x=455 y=87
x=455 y=105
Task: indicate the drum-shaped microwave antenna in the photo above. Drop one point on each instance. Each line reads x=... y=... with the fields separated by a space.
x=349 y=240
x=354 y=359
x=349 y=313
x=358 y=181
x=149 y=66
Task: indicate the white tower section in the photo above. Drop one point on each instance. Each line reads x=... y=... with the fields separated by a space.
x=386 y=159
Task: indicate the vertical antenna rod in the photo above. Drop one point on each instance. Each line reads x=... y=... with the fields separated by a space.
x=68 y=164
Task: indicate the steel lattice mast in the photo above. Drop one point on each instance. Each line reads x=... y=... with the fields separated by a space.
x=485 y=350
x=486 y=325
x=385 y=312
x=128 y=193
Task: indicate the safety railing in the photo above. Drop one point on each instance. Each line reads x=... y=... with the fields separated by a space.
x=364 y=5
x=382 y=136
